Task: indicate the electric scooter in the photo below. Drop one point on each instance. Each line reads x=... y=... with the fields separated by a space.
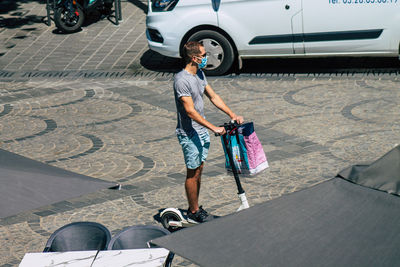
x=173 y=219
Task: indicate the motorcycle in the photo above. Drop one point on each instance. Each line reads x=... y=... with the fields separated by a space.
x=69 y=15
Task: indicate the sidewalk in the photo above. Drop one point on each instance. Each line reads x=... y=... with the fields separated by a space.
x=26 y=43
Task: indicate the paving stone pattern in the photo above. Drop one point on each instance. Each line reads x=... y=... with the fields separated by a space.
x=123 y=131
x=101 y=45
x=108 y=115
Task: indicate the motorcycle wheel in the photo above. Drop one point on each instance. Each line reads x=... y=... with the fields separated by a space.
x=67 y=22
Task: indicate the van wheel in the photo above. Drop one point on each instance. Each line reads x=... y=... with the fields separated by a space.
x=399 y=51
x=219 y=51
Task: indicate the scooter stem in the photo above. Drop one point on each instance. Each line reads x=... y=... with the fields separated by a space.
x=244 y=204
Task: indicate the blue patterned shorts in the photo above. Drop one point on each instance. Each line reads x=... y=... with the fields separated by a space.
x=195 y=148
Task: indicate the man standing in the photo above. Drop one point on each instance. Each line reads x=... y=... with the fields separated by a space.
x=189 y=86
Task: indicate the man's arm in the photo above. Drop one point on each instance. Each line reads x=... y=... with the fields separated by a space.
x=219 y=103
x=188 y=105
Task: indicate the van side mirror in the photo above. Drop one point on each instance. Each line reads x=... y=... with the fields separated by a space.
x=215 y=4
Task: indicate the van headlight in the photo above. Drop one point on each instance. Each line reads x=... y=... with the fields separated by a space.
x=163 y=5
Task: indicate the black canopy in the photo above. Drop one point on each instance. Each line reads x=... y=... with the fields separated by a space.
x=383 y=174
x=335 y=223
x=27 y=184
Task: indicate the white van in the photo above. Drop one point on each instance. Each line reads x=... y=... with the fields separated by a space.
x=237 y=29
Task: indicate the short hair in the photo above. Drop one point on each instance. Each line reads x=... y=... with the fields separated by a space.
x=190 y=49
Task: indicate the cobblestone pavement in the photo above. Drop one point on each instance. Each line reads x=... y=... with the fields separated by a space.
x=112 y=116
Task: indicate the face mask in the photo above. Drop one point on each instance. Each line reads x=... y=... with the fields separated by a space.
x=203 y=62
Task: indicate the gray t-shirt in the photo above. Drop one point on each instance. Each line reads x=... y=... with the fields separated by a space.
x=186 y=84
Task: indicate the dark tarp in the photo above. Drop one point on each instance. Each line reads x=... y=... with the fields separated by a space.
x=335 y=223
x=28 y=184
x=383 y=174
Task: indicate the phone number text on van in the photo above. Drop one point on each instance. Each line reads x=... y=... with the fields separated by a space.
x=362 y=1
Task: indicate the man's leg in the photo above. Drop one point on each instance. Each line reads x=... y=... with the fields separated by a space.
x=192 y=186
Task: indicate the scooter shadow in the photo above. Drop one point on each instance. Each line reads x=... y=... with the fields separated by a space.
x=157 y=216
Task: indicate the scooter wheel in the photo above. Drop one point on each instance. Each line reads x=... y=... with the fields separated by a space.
x=167 y=217
x=67 y=22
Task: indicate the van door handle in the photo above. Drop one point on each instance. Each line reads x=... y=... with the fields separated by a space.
x=287 y=7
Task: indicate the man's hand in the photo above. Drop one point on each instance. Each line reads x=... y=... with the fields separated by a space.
x=238 y=119
x=219 y=130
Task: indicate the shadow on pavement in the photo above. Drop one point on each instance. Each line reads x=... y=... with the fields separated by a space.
x=17 y=22
x=96 y=16
x=156 y=62
x=321 y=65
x=7 y=6
x=157 y=216
x=139 y=4
x=16 y=15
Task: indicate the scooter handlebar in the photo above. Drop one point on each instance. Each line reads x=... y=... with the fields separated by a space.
x=228 y=126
